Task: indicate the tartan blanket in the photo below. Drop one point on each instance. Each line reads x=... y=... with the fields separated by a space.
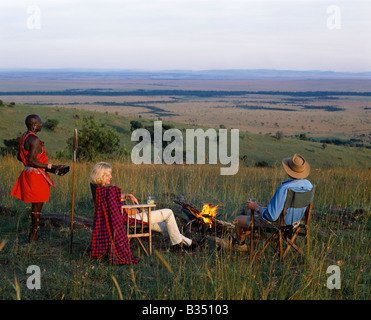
x=109 y=233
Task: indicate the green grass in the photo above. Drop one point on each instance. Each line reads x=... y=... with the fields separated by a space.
x=208 y=274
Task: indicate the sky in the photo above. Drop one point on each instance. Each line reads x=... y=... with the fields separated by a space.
x=186 y=34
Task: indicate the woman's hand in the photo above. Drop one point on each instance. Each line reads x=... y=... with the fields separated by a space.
x=132 y=198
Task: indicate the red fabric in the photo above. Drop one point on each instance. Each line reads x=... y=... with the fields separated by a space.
x=31 y=186
x=109 y=233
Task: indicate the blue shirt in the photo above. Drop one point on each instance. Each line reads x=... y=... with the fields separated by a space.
x=275 y=206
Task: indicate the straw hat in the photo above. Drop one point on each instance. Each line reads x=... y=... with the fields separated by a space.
x=296 y=167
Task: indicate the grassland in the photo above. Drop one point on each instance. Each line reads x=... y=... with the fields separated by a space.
x=207 y=274
x=340 y=224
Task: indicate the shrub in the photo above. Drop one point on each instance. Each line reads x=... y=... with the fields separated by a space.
x=135 y=125
x=94 y=139
x=11 y=146
x=261 y=164
x=51 y=123
x=279 y=135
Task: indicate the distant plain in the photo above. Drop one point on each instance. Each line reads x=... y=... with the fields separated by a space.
x=316 y=107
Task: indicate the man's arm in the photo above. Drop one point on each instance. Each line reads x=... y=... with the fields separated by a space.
x=34 y=148
x=275 y=206
x=19 y=156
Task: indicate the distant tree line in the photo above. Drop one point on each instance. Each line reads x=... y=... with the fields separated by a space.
x=10 y=105
x=340 y=142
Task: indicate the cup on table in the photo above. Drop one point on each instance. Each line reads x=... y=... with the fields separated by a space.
x=150 y=200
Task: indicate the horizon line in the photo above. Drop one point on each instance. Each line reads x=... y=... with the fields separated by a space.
x=182 y=70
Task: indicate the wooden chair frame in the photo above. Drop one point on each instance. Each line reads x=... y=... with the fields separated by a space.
x=288 y=232
x=139 y=230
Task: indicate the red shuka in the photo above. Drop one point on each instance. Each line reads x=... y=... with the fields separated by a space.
x=31 y=186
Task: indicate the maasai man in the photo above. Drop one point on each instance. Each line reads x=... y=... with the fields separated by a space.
x=33 y=184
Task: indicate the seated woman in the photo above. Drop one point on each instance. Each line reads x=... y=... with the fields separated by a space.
x=109 y=238
x=162 y=220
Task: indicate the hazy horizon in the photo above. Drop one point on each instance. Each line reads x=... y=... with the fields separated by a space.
x=96 y=69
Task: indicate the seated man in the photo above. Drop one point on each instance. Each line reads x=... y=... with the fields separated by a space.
x=297 y=169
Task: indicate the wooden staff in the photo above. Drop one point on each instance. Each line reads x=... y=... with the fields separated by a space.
x=73 y=185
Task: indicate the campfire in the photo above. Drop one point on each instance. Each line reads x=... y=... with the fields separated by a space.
x=205 y=222
x=207 y=215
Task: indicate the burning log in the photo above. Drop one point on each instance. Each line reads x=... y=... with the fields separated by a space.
x=205 y=222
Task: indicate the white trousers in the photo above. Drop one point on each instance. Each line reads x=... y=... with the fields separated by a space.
x=163 y=221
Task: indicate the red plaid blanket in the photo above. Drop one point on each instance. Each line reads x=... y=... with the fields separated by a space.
x=109 y=233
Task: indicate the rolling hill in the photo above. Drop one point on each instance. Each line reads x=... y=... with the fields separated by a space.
x=254 y=149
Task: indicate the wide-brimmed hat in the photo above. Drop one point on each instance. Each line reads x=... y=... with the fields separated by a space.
x=296 y=167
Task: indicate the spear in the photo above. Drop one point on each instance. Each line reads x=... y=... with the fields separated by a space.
x=73 y=185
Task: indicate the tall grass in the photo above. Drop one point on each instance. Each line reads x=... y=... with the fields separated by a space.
x=208 y=274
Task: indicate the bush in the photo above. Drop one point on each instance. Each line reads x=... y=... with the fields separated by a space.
x=135 y=125
x=261 y=164
x=94 y=139
x=11 y=146
x=51 y=123
x=279 y=135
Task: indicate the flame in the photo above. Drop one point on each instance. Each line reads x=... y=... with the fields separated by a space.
x=208 y=214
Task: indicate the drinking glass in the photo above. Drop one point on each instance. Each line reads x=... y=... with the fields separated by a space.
x=150 y=200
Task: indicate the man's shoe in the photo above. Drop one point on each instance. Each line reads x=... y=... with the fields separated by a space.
x=193 y=246
x=177 y=247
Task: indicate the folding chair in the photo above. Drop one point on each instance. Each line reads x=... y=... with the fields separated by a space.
x=139 y=229
x=291 y=232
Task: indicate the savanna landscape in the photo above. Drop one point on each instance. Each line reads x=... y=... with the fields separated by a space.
x=326 y=120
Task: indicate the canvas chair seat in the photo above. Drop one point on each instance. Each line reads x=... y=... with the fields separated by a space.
x=280 y=232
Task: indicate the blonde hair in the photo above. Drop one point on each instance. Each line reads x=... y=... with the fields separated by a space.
x=100 y=173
